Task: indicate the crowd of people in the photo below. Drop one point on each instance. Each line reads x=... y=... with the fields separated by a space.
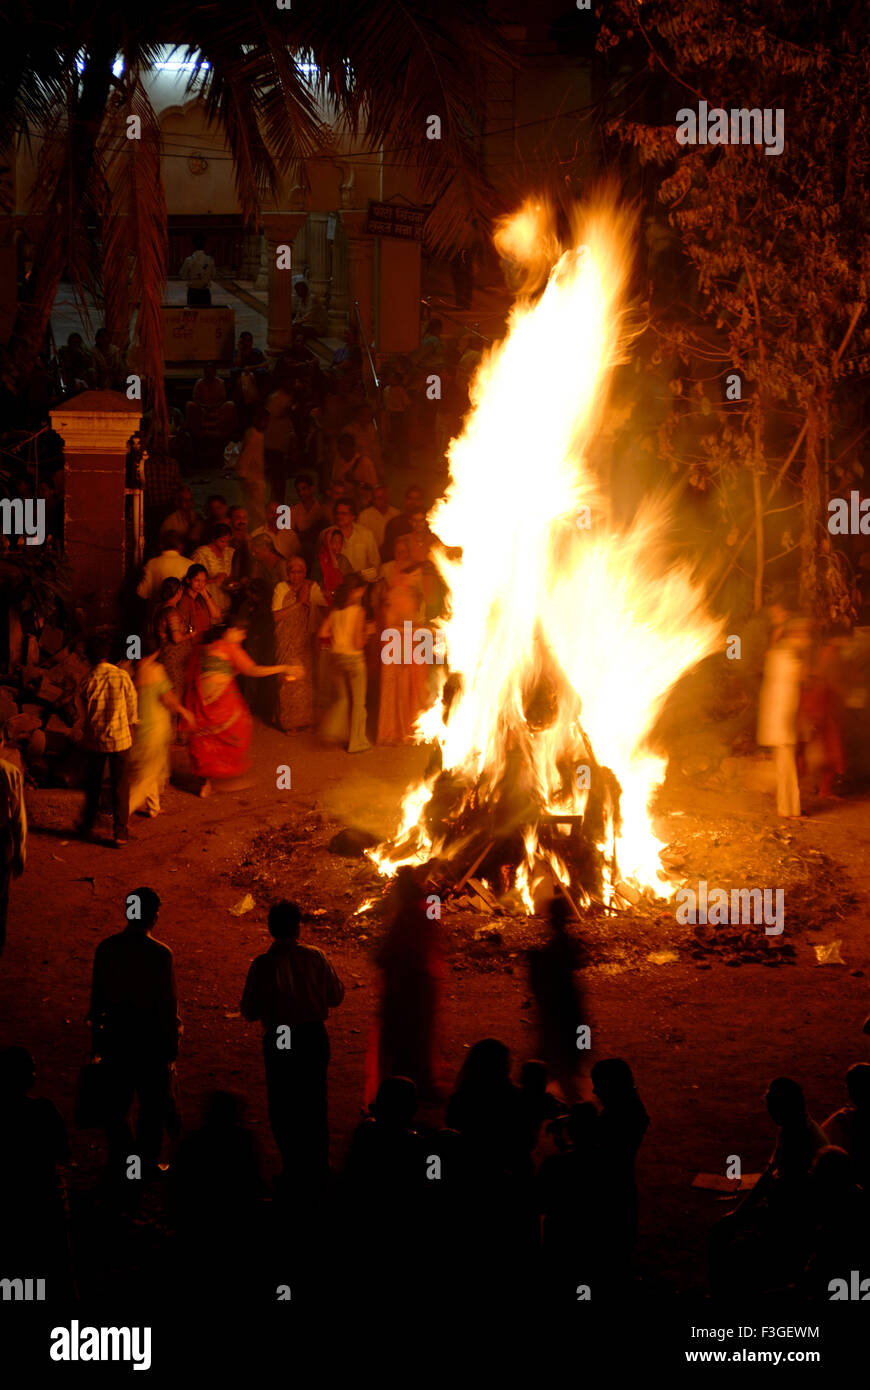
x=467 y=1184
x=473 y=1178
x=284 y=620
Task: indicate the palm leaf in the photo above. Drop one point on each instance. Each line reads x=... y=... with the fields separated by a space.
x=254 y=90
x=134 y=234
x=388 y=69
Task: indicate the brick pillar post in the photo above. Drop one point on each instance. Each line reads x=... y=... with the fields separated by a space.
x=95 y=427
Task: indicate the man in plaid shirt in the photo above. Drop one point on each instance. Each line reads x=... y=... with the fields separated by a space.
x=107 y=700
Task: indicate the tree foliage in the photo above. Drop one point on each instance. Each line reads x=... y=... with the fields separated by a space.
x=780 y=250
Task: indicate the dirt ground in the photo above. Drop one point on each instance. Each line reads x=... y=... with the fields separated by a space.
x=704 y=1026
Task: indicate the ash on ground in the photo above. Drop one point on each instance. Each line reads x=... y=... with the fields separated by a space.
x=345 y=899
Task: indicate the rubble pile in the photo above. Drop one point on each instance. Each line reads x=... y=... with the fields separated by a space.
x=38 y=709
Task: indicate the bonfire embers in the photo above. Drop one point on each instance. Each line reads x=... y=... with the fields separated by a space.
x=507 y=836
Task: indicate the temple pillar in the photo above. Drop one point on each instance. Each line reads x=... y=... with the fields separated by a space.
x=319 y=267
x=300 y=252
x=281 y=229
x=339 y=291
x=360 y=262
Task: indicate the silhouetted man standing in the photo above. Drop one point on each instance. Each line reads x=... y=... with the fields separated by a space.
x=290 y=990
x=135 y=1025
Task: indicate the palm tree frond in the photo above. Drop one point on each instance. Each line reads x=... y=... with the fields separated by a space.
x=134 y=233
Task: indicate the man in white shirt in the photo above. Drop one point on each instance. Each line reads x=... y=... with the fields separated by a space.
x=169 y=564
x=358 y=545
x=199 y=271
x=378 y=514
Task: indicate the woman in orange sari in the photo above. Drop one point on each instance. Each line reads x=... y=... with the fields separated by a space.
x=221 y=742
x=404 y=689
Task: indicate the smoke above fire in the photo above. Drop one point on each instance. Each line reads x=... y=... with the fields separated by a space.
x=564 y=634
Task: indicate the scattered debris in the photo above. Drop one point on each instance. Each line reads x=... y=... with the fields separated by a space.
x=828 y=953
x=245 y=904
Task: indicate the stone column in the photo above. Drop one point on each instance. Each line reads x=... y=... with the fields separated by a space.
x=95 y=427
x=318 y=255
x=261 y=279
x=281 y=229
x=339 y=293
x=252 y=250
x=360 y=256
x=300 y=252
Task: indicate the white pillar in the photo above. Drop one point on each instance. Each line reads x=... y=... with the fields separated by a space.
x=318 y=255
x=281 y=229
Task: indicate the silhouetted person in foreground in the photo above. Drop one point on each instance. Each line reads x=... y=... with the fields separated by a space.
x=385 y=1150
x=569 y=1200
x=403 y=1043
x=216 y=1178
x=539 y=1106
x=384 y=1191
x=762 y=1244
x=135 y=1027
x=487 y=1110
x=215 y=1193
x=290 y=990
x=839 y=1218
x=33 y=1214
x=850 y=1127
x=560 y=1007
x=622 y=1124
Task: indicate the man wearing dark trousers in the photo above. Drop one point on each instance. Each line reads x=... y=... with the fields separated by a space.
x=108 y=708
x=135 y=1026
x=290 y=989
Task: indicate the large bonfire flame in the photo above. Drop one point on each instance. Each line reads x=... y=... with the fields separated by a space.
x=563 y=634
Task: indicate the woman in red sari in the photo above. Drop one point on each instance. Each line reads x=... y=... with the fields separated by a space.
x=332 y=567
x=220 y=744
x=404 y=1041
